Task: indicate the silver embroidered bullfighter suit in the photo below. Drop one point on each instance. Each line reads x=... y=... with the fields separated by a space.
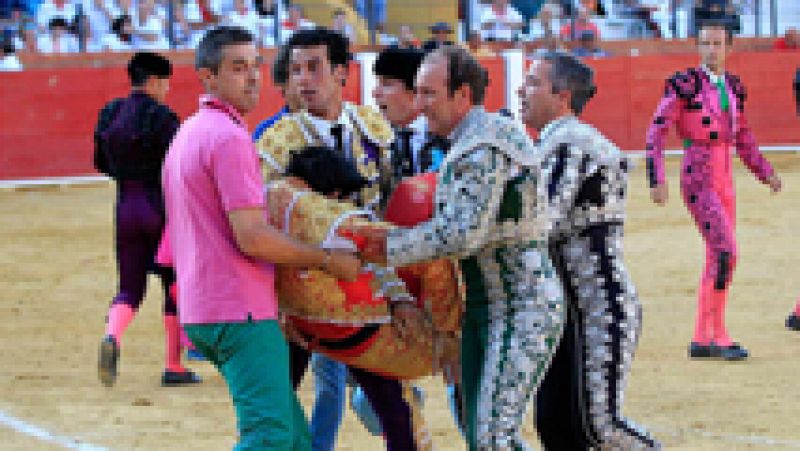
x=488 y=213
x=579 y=404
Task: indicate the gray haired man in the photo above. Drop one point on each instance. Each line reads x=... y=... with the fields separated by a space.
x=579 y=404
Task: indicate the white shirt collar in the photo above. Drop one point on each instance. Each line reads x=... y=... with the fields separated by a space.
x=323 y=126
x=552 y=125
x=419 y=125
x=711 y=75
x=466 y=122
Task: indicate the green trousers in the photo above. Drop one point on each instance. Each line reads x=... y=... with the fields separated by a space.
x=253 y=358
x=474 y=331
x=506 y=346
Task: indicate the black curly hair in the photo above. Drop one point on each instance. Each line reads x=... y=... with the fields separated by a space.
x=325 y=171
x=337 y=44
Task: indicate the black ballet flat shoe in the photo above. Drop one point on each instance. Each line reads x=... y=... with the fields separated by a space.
x=793 y=322
x=698 y=351
x=733 y=352
x=108 y=360
x=176 y=378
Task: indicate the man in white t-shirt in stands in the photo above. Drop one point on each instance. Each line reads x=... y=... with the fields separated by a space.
x=547 y=22
x=501 y=21
x=58 y=40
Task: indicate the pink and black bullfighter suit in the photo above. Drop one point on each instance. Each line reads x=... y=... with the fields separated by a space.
x=131 y=140
x=708 y=113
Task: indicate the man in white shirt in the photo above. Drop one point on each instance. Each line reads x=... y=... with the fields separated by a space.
x=500 y=21
x=546 y=24
x=59 y=40
x=9 y=61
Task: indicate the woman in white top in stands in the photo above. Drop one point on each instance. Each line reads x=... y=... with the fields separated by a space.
x=149 y=26
x=58 y=40
x=500 y=21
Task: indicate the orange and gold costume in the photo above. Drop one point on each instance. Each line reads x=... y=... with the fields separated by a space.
x=351 y=322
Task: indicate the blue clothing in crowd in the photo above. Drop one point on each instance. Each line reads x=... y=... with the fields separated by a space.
x=269 y=122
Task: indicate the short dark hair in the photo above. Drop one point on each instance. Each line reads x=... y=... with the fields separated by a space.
x=567 y=72
x=57 y=22
x=209 y=51
x=716 y=23
x=462 y=69
x=337 y=44
x=280 y=65
x=325 y=171
x=8 y=46
x=116 y=25
x=144 y=65
x=399 y=64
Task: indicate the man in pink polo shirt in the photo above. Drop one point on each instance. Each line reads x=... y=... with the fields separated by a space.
x=224 y=248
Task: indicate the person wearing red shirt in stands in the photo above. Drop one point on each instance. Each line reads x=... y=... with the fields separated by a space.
x=582 y=24
x=789 y=41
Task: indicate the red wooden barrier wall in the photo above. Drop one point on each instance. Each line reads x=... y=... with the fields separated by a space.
x=629 y=89
x=496 y=91
x=47 y=116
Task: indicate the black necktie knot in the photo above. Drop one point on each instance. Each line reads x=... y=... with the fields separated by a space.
x=337 y=131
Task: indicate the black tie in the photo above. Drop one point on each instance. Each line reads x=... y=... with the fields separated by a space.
x=406 y=164
x=337 y=131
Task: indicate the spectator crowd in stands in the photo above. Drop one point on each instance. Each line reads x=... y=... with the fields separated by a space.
x=69 y=26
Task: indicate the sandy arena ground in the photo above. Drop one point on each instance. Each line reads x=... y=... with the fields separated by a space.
x=57 y=276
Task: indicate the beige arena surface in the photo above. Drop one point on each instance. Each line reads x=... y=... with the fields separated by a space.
x=57 y=276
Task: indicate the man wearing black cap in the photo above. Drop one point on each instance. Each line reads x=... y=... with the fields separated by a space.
x=131 y=140
x=440 y=36
x=395 y=70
